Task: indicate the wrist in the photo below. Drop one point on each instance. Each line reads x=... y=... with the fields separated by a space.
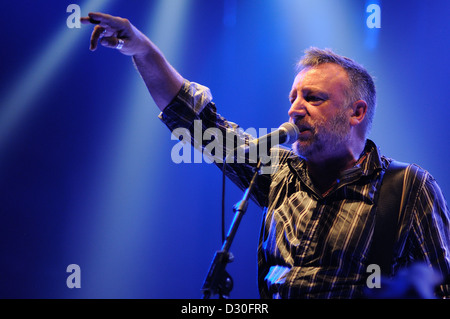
x=145 y=49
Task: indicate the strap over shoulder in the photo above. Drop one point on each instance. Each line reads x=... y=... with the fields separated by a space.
x=388 y=206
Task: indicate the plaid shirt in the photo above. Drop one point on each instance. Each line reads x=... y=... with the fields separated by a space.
x=315 y=245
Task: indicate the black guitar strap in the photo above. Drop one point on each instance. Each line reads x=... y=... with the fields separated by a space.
x=387 y=217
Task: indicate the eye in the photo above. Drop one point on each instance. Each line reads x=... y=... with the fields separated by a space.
x=292 y=99
x=313 y=98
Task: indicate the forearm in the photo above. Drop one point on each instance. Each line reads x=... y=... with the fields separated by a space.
x=161 y=78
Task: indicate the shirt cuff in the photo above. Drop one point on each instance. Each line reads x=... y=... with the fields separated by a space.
x=192 y=98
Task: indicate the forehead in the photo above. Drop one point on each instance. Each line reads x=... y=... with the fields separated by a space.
x=327 y=77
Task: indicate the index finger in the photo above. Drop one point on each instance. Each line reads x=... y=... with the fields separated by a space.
x=87 y=20
x=105 y=20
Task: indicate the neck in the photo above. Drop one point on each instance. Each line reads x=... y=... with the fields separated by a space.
x=324 y=172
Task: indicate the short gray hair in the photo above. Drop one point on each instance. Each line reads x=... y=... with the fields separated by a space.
x=362 y=84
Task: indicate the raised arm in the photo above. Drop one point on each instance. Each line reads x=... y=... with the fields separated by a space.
x=184 y=104
x=161 y=79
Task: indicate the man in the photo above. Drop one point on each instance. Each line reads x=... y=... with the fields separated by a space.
x=320 y=201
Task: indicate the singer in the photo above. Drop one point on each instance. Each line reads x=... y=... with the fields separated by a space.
x=321 y=202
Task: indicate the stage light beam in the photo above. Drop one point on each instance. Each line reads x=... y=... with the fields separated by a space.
x=131 y=172
x=19 y=102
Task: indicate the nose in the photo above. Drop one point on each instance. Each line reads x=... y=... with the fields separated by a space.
x=297 y=110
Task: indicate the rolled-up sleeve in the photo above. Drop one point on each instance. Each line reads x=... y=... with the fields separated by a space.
x=186 y=105
x=193 y=111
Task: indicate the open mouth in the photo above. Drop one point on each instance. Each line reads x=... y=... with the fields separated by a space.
x=304 y=128
x=306 y=132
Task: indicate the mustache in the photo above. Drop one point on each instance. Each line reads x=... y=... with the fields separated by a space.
x=304 y=125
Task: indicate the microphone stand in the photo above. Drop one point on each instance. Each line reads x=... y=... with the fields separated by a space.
x=218 y=281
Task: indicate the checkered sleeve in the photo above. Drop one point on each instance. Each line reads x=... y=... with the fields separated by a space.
x=192 y=117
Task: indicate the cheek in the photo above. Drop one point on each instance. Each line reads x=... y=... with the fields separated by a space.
x=319 y=122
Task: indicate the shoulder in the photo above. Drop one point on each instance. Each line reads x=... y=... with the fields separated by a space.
x=423 y=191
x=413 y=173
x=419 y=186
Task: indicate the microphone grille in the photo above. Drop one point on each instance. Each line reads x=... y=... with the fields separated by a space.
x=292 y=132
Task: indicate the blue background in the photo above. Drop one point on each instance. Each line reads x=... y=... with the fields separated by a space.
x=86 y=175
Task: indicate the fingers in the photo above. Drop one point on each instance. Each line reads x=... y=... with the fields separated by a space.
x=106 y=27
x=105 y=20
x=105 y=38
x=112 y=42
x=86 y=20
x=95 y=36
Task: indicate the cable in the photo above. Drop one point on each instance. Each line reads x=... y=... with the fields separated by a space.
x=223 y=200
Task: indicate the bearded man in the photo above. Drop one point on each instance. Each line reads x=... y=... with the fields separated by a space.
x=321 y=199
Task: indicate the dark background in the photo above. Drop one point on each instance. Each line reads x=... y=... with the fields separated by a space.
x=86 y=175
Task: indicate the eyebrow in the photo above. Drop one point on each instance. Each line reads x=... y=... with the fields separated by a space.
x=312 y=89
x=308 y=90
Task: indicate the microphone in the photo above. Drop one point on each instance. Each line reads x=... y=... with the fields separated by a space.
x=287 y=133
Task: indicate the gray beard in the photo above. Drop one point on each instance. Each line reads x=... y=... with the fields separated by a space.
x=329 y=138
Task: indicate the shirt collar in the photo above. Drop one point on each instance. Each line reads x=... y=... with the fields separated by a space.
x=370 y=159
x=368 y=163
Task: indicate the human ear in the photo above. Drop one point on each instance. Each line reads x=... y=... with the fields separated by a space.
x=359 y=112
